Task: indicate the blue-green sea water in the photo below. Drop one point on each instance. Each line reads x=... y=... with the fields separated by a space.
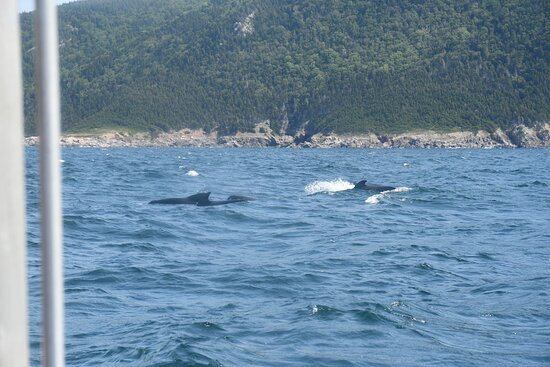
x=450 y=269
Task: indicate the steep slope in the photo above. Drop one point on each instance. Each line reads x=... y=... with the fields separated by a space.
x=344 y=66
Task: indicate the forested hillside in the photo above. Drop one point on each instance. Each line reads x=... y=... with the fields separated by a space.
x=341 y=65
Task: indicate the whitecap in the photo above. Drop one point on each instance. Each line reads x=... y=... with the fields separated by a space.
x=328 y=186
x=400 y=189
x=375 y=199
x=192 y=173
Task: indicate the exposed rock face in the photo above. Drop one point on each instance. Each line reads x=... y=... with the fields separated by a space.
x=246 y=140
x=263 y=136
x=544 y=135
x=524 y=137
x=246 y=27
x=345 y=141
x=185 y=137
x=450 y=140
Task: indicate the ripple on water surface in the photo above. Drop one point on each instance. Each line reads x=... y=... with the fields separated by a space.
x=452 y=268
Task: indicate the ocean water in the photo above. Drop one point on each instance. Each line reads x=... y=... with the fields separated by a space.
x=450 y=269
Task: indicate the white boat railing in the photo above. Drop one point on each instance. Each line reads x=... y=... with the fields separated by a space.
x=13 y=280
x=49 y=112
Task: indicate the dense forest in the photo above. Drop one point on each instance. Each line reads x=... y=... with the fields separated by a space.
x=329 y=66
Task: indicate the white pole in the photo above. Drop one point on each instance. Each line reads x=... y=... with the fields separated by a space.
x=13 y=265
x=50 y=184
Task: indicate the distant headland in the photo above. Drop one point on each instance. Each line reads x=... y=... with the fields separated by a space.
x=334 y=67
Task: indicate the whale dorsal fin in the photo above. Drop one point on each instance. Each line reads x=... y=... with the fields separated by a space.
x=361 y=183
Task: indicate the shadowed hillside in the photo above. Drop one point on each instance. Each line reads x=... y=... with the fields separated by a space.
x=343 y=66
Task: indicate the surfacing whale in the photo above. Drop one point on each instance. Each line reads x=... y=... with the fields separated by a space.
x=202 y=199
x=363 y=185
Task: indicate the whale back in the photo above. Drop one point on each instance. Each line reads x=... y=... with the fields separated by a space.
x=201 y=198
x=196 y=199
x=170 y=201
x=237 y=198
x=363 y=185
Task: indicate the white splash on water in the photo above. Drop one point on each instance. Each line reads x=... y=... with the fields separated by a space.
x=192 y=173
x=399 y=189
x=328 y=186
x=375 y=199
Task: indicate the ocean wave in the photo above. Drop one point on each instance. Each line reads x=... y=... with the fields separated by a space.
x=325 y=311
x=329 y=187
x=186 y=286
x=192 y=173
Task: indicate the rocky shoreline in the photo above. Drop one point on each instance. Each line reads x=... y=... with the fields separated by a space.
x=519 y=137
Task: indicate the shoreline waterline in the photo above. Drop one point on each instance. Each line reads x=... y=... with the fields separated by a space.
x=519 y=137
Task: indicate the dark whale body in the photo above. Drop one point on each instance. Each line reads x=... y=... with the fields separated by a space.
x=363 y=185
x=202 y=199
